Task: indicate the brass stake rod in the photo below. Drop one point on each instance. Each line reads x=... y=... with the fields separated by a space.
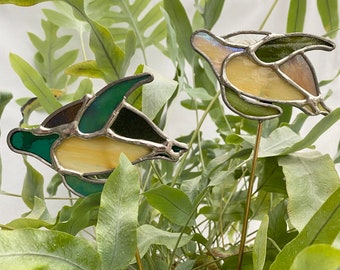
x=250 y=190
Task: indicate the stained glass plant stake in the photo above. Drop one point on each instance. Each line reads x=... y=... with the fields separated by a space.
x=83 y=140
x=258 y=70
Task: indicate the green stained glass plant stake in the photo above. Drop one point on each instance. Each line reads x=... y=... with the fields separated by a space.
x=258 y=70
x=83 y=140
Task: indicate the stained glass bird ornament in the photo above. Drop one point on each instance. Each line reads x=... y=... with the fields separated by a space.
x=258 y=70
x=82 y=141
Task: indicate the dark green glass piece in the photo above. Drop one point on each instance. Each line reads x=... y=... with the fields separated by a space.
x=26 y=141
x=132 y=125
x=177 y=149
x=105 y=102
x=278 y=48
x=82 y=187
x=65 y=115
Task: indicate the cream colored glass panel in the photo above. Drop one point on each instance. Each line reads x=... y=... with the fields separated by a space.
x=259 y=81
x=95 y=155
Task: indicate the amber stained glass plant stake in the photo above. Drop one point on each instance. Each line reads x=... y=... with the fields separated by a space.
x=258 y=70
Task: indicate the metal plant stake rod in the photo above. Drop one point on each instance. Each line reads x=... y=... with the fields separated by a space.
x=83 y=140
x=258 y=70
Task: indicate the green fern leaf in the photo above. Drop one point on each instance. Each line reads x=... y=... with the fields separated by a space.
x=49 y=65
x=144 y=20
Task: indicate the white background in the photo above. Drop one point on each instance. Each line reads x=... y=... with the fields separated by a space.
x=237 y=15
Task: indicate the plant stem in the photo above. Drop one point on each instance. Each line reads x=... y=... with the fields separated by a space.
x=5 y=227
x=198 y=200
x=250 y=189
x=47 y=198
x=274 y=244
x=138 y=260
x=82 y=44
x=268 y=14
x=193 y=137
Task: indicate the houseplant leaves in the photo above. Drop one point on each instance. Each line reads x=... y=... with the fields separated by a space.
x=323 y=227
x=172 y=203
x=36 y=249
x=35 y=83
x=306 y=193
x=116 y=229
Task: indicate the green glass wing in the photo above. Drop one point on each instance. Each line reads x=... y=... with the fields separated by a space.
x=100 y=109
x=280 y=47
